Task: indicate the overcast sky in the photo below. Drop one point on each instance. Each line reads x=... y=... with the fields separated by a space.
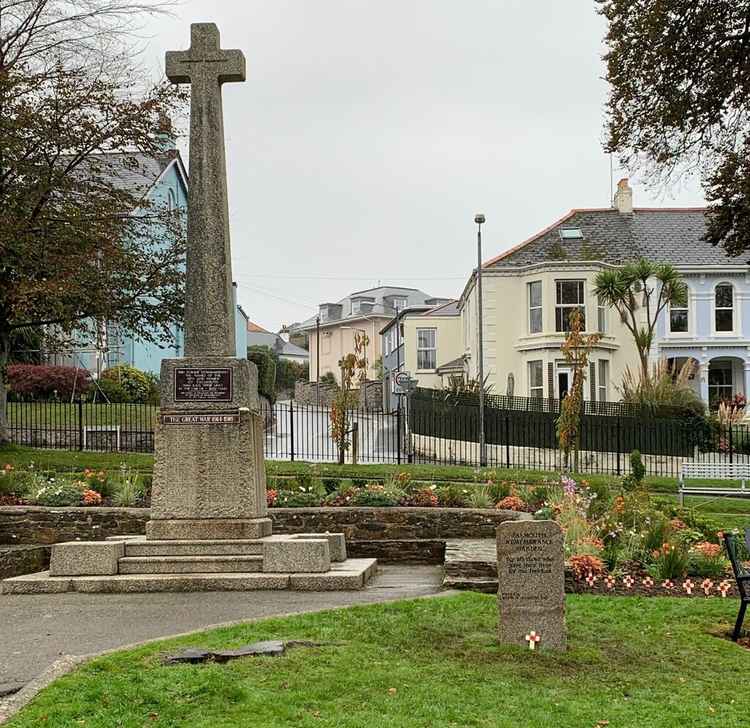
x=369 y=133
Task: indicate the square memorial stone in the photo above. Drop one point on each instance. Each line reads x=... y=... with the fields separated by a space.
x=531 y=583
x=297 y=556
x=86 y=558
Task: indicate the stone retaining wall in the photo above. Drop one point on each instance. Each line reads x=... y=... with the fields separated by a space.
x=19 y=560
x=41 y=525
x=371 y=395
x=306 y=393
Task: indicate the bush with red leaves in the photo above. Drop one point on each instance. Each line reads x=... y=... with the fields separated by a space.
x=584 y=564
x=39 y=381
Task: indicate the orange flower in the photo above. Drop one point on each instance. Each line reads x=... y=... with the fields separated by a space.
x=91 y=498
x=512 y=503
x=8 y=467
x=707 y=549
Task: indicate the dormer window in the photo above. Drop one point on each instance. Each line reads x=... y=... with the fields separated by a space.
x=398 y=303
x=571 y=233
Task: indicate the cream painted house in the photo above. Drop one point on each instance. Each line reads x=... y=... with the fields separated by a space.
x=530 y=291
x=333 y=330
x=425 y=341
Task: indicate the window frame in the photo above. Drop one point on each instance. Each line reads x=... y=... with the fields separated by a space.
x=602 y=390
x=686 y=309
x=531 y=388
x=563 y=306
x=733 y=309
x=602 y=315
x=533 y=309
x=422 y=349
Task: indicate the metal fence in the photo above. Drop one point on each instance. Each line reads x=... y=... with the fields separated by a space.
x=433 y=430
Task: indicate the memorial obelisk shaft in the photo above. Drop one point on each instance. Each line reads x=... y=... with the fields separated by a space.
x=209 y=314
x=209 y=475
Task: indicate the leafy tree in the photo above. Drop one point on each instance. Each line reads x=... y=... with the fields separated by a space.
x=639 y=292
x=76 y=247
x=679 y=74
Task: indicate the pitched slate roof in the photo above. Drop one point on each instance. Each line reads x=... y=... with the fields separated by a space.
x=444 y=309
x=132 y=171
x=670 y=235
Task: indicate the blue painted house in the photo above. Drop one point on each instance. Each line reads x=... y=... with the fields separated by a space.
x=163 y=181
x=713 y=328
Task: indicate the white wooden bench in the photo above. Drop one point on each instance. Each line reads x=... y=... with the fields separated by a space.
x=714 y=471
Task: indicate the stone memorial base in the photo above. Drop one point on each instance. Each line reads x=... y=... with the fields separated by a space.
x=302 y=562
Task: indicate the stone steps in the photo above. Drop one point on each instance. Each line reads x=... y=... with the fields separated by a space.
x=347 y=575
x=193 y=548
x=210 y=564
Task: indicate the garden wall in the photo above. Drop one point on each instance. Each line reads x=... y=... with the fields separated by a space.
x=391 y=534
x=306 y=393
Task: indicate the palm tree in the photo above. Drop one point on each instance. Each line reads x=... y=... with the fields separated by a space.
x=639 y=292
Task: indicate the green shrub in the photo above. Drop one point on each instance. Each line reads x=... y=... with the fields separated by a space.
x=19 y=483
x=377 y=495
x=135 y=383
x=479 y=497
x=297 y=499
x=669 y=562
x=58 y=493
x=330 y=485
x=637 y=468
x=601 y=499
x=128 y=488
x=707 y=561
x=498 y=490
x=263 y=358
x=453 y=495
x=708 y=527
x=290 y=372
x=302 y=480
x=109 y=390
x=329 y=380
x=154 y=392
x=656 y=534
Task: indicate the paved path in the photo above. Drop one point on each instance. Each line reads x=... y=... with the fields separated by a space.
x=37 y=629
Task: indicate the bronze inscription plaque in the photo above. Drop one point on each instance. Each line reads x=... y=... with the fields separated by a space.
x=203 y=384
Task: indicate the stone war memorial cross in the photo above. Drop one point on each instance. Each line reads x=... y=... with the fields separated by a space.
x=209 y=528
x=209 y=476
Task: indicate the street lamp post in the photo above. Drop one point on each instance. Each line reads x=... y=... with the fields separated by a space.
x=317 y=356
x=479 y=220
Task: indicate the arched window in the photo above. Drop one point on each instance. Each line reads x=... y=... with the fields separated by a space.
x=724 y=307
x=171 y=200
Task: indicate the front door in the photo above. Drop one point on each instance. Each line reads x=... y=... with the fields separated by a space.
x=563 y=382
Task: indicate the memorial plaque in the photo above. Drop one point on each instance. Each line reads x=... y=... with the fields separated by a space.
x=203 y=384
x=201 y=418
x=531 y=584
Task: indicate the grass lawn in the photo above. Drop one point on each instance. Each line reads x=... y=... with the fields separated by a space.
x=71 y=460
x=64 y=415
x=634 y=662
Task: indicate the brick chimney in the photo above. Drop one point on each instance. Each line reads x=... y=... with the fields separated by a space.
x=623 y=199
